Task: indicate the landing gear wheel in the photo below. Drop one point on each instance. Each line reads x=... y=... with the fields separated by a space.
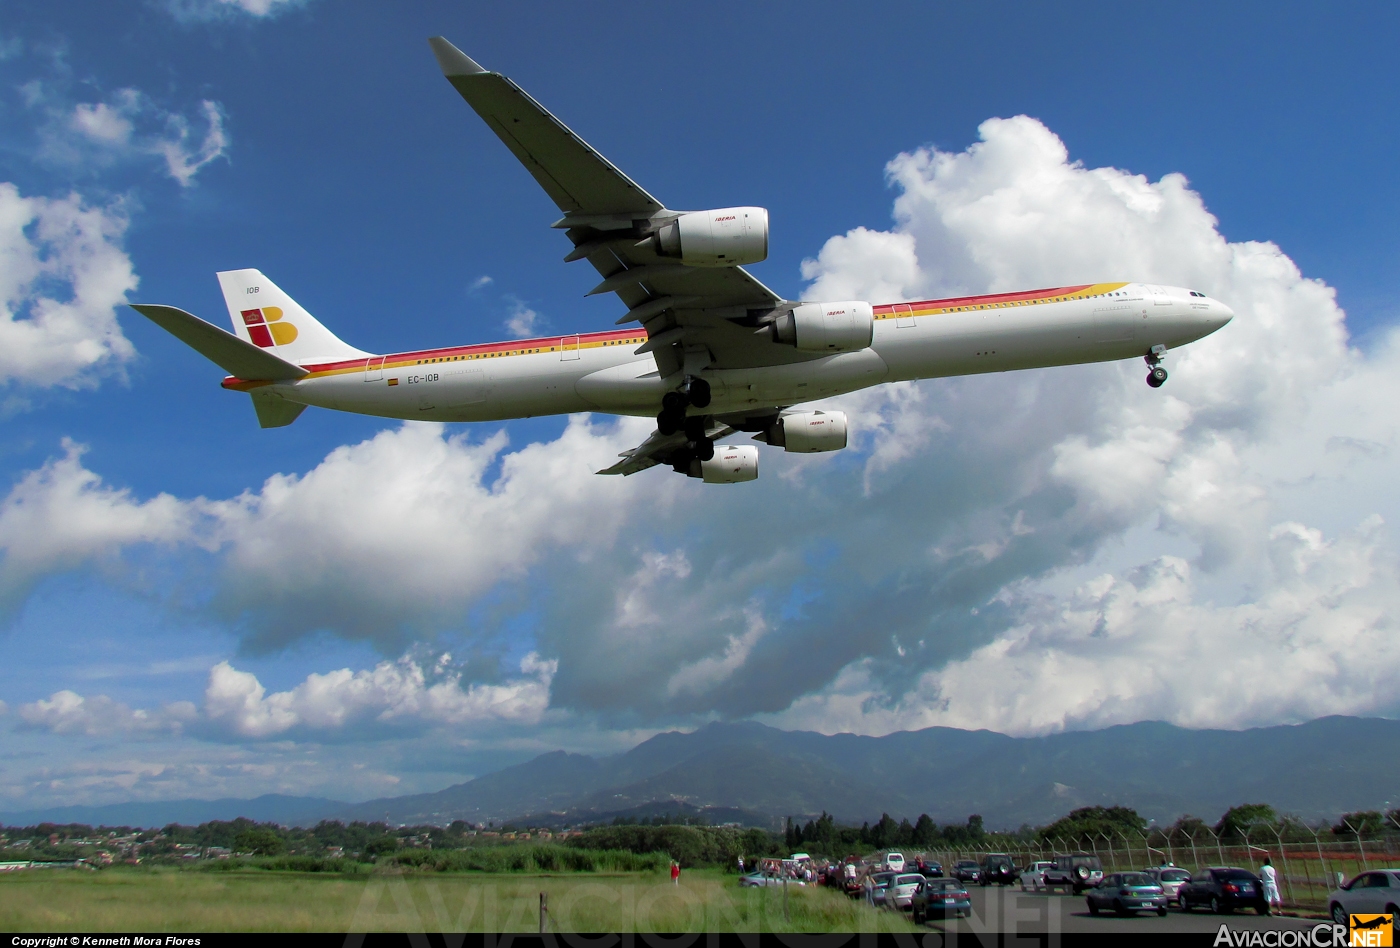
x=694 y=428
x=699 y=393
x=704 y=449
x=668 y=423
x=1157 y=376
x=674 y=403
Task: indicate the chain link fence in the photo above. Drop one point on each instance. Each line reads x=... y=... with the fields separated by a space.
x=1310 y=861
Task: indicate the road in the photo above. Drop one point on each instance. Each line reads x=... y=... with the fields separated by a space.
x=1009 y=910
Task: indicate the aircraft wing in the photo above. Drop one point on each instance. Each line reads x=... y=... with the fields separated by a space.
x=713 y=314
x=658 y=449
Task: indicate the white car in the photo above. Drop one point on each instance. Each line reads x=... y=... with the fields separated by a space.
x=900 y=892
x=894 y=862
x=1170 y=878
x=1371 y=893
x=1033 y=878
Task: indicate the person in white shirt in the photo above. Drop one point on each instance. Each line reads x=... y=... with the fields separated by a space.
x=1270 y=876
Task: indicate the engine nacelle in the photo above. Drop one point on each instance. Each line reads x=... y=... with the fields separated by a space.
x=727 y=237
x=827 y=327
x=732 y=464
x=809 y=432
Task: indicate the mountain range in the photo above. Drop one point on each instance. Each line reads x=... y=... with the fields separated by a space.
x=750 y=773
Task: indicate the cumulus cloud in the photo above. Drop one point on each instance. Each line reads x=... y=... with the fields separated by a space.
x=391 y=692
x=129 y=126
x=66 y=712
x=61 y=517
x=403 y=693
x=62 y=274
x=1052 y=530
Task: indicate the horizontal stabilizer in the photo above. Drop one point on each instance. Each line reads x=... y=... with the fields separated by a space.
x=224 y=349
x=275 y=411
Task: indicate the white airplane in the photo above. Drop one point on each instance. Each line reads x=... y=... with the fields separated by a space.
x=715 y=352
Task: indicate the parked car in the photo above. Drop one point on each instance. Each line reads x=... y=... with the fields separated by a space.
x=940 y=898
x=882 y=882
x=1370 y=893
x=900 y=892
x=765 y=878
x=933 y=870
x=1033 y=876
x=1127 y=893
x=894 y=862
x=1077 y=872
x=1223 y=889
x=1170 y=878
x=965 y=870
x=997 y=869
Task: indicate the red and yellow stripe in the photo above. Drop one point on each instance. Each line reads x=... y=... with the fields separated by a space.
x=1054 y=294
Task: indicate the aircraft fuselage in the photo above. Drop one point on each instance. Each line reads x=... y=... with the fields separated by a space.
x=601 y=371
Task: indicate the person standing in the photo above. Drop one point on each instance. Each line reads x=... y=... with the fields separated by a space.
x=741 y=865
x=1270 y=876
x=675 y=872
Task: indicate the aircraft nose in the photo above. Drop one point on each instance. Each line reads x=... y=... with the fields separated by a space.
x=1220 y=314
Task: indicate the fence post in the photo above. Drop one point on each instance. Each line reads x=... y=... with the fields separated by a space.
x=1326 y=872
x=1359 y=848
x=1283 y=854
x=1219 y=850
x=1195 y=858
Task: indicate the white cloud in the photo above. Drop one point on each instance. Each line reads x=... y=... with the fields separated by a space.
x=193 y=11
x=522 y=321
x=130 y=126
x=391 y=692
x=61 y=517
x=402 y=693
x=66 y=712
x=977 y=530
x=62 y=274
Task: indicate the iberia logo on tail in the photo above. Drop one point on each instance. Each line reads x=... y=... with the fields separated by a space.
x=265 y=327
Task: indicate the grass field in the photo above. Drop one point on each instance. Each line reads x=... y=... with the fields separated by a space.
x=177 y=900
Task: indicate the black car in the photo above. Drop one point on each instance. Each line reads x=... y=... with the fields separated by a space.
x=998 y=869
x=932 y=870
x=1223 y=889
x=966 y=870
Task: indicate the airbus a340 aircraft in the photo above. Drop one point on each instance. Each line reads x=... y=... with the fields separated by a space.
x=715 y=352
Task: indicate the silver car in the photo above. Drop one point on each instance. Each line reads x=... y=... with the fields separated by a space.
x=1170 y=878
x=1374 y=892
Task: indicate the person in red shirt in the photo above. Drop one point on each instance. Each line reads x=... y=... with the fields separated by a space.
x=675 y=872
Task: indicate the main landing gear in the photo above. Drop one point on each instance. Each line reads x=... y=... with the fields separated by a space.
x=1156 y=375
x=673 y=418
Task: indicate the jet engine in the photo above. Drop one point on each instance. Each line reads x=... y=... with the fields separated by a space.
x=727 y=237
x=731 y=464
x=827 y=327
x=809 y=432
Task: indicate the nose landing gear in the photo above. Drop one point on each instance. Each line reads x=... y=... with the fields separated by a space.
x=1156 y=375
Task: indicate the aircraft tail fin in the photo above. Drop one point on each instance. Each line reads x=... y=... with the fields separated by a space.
x=268 y=318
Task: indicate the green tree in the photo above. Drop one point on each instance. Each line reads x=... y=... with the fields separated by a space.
x=1368 y=823
x=1090 y=822
x=925 y=831
x=1238 y=820
x=259 y=840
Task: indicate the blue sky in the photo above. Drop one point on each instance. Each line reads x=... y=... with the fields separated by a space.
x=317 y=141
